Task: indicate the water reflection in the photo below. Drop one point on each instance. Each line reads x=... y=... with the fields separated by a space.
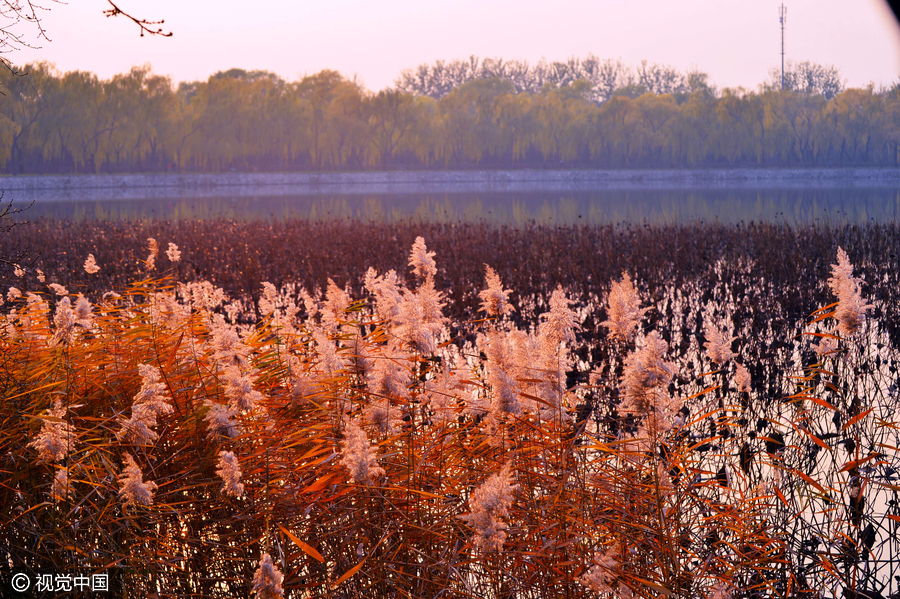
x=657 y=206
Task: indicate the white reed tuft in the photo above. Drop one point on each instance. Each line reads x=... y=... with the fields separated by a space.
x=153 y=247
x=503 y=369
x=64 y=319
x=851 y=309
x=359 y=456
x=386 y=290
x=90 y=265
x=602 y=573
x=336 y=302
x=267 y=579
x=61 y=488
x=494 y=299
x=421 y=260
x=721 y=590
x=149 y=403
x=644 y=384
x=228 y=349
x=489 y=505
x=133 y=488
x=267 y=299
x=718 y=347
x=57 y=437
x=742 y=378
x=826 y=346
x=220 y=420
x=330 y=360
x=229 y=469
x=172 y=253
x=83 y=314
x=560 y=323
x=419 y=320
x=382 y=415
x=624 y=309
x=239 y=390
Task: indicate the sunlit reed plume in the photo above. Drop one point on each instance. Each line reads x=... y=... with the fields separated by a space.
x=851 y=309
x=173 y=253
x=489 y=504
x=421 y=260
x=61 y=488
x=718 y=346
x=149 y=403
x=742 y=378
x=229 y=469
x=358 y=455
x=645 y=380
x=602 y=573
x=90 y=265
x=57 y=437
x=623 y=309
x=220 y=420
x=267 y=580
x=494 y=299
x=133 y=488
x=153 y=247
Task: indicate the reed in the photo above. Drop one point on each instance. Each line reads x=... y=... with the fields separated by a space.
x=358 y=439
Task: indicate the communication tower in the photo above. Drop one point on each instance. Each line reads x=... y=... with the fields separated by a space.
x=782 y=17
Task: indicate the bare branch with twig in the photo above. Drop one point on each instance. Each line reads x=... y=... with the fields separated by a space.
x=145 y=25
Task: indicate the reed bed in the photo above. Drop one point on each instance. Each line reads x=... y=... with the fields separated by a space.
x=196 y=421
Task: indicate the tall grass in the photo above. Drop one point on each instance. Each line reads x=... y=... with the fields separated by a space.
x=376 y=438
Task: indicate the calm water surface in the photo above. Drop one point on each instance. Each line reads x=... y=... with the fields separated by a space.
x=603 y=206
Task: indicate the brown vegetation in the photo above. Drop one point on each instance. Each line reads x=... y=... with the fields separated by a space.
x=376 y=448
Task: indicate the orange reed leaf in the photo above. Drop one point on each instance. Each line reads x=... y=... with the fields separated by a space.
x=174 y=353
x=702 y=374
x=815 y=439
x=819 y=401
x=856 y=463
x=654 y=586
x=350 y=572
x=828 y=307
x=321 y=483
x=809 y=480
x=856 y=419
x=703 y=392
x=306 y=548
x=781 y=496
x=47 y=386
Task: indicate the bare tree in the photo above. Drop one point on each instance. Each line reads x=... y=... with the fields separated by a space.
x=20 y=23
x=604 y=76
x=9 y=219
x=21 y=27
x=810 y=78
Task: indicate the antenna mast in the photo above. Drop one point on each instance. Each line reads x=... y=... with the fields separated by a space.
x=782 y=17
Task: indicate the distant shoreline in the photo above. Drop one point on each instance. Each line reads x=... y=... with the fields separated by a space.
x=62 y=187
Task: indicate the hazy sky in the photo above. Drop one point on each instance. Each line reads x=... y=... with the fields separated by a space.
x=736 y=41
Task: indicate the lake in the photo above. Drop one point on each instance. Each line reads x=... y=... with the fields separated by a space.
x=676 y=205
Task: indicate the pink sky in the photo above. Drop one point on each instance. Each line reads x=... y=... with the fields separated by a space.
x=735 y=41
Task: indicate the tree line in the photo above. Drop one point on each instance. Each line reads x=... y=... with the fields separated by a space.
x=463 y=114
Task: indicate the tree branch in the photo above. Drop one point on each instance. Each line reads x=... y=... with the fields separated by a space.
x=144 y=25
